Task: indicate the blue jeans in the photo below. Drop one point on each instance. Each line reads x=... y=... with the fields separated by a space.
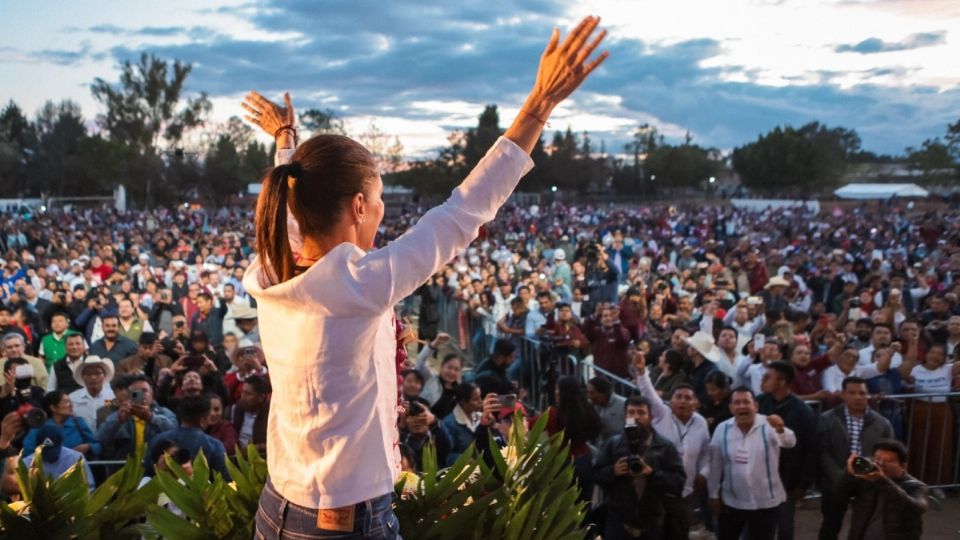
x=279 y=519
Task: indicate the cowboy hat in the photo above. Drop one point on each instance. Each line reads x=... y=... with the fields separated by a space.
x=704 y=344
x=242 y=312
x=776 y=281
x=107 y=366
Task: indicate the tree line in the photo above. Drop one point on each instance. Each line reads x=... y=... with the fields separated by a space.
x=163 y=148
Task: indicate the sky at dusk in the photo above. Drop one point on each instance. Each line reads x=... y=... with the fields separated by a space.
x=724 y=70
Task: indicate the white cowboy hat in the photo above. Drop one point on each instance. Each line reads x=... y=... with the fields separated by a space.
x=776 y=281
x=244 y=312
x=107 y=366
x=704 y=344
x=559 y=255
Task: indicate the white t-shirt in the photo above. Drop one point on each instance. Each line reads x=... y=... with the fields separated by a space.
x=832 y=378
x=246 y=430
x=933 y=381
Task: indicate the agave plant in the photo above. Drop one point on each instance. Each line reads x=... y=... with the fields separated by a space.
x=529 y=493
x=64 y=508
x=214 y=508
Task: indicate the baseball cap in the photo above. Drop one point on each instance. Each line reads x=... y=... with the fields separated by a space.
x=51 y=438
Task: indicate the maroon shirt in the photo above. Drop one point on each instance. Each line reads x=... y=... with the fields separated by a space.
x=806 y=380
x=609 y=347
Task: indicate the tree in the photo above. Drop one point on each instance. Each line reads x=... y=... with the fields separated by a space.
x=17 y=144
x=317 y=121
x=387 y=154
x=796 y=161
x=687 y=165
x=481 y=138
x=57 y=167
x=935 y=158
x=142 y=110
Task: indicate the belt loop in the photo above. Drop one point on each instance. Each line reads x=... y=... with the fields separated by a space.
x=283 y=513
x=368 y=522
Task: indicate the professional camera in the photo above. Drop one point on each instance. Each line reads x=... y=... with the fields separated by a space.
x=33 y=416
x=634 y=436
x=416 y=409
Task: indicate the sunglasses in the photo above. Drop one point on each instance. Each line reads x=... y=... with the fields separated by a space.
x=180 y=324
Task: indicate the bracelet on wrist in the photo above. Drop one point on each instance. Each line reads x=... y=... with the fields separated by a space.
x=281 y=129
x=534 y=116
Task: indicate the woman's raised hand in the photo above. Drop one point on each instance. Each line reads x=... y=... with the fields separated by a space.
x=267 y=115
x=564 y=66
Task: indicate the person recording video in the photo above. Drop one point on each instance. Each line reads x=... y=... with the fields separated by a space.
x=638 y=470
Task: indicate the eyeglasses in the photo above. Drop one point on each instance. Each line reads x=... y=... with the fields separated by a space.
x=180 y=324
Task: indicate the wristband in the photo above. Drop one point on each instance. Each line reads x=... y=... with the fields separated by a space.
x=287 y=127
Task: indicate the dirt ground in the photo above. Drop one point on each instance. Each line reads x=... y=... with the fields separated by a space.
x=942 y=524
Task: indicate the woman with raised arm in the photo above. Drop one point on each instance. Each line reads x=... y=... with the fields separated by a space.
x=325 y=302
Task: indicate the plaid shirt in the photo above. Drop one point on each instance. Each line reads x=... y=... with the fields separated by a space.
x=854 y=428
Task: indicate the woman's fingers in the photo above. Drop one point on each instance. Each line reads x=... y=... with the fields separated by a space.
x=585 y=53
x=582 y=35
x=250 y=109
x=568 y=43
x=554 y=39
x=593 y=65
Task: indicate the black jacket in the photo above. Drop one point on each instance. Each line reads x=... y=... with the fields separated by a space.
x=834 y=442
x=798 y=465
x=901 y=505
x=646 y=512
x=493 y=379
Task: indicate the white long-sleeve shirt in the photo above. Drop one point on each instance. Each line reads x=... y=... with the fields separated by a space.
x=690 y=438
x=329 y=339
x=745 y=466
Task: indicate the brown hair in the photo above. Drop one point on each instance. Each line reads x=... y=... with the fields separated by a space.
x=326 y=172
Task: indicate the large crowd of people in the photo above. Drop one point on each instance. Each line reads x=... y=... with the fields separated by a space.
x=738 y=359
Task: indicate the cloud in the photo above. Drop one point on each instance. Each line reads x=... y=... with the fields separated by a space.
x=913 y=41
x=440 y=63
x=60 y=57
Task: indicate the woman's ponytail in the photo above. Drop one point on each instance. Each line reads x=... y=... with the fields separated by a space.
x=271 y=222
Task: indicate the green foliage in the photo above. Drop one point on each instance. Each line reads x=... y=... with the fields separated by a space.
x=214 y=508
x=530 y=494
x=64 y=508
x=936 y=159
x=795 y=161
x=687 y=165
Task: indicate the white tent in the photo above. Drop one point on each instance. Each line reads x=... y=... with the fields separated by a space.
x=880 y=191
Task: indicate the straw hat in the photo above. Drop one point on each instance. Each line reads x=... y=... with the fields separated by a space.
x=704 y=344
x=776 y=281
x=107 y=366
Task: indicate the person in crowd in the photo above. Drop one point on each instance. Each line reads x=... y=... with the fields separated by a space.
x=687 y=430
x=77 y=434
x=149 y=359
x=53 y=346
x=580 y=424
x=439 y=389
x=57 y=458
x=887 y=502
x=716 y=410
x=219 y=427
x=189 y=435
x=17 y=390
x=461 y=424
x=113 y=345
x=15 y=346
x=184 y=382
x=246 y=321
x=848 y=429
x=94 y=375
x=418 y=427
x=933 y=440
x=798 y=465
x=745 y=489
x=251 y=412
x=638 y=470
x=807 y=381
x=136 y=422
x=668 y=370
x=491 y=375
x=209 y=318
x=131 y=327
x=161 y=454
x=608 y=343
x=608 y=405
x=703 y=354
x=248 y=361
x=61 y=373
